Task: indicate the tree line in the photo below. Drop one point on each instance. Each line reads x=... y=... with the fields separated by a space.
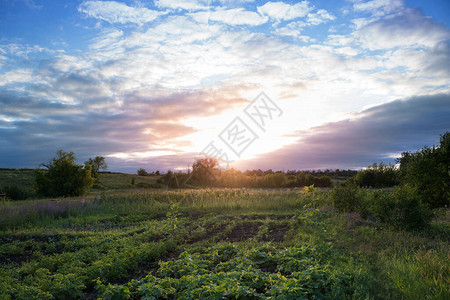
x=205 y=173
x=427 y=171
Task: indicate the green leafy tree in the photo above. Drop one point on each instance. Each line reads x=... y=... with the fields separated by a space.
x=63 y=177
x=142 y=172
x=428 y=171
x=204 y=171
x=96 y=164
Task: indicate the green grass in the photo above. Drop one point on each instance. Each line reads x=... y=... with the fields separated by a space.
x=213 y=243
x=114 y=181
x=23 y=178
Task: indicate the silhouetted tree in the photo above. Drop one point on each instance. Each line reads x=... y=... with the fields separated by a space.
x=96 y=164
x=142 y=172
x=204 y=171
x=63 y=177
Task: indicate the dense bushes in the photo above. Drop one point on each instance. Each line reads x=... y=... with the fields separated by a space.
x=377 y=176
x=205 y=174
x=347 y=198
x=63 y=177
x=428 y=170
x=13 y=192
x=401 y=207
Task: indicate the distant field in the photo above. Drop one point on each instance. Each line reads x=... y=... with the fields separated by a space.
x=213 y=244
x=113 y=181
x=23 y=178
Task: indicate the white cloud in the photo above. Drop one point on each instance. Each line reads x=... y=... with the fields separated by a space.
x=116 y=12
x=319 y=17
x=67 y=63
x=292 y=29
x=16 y=76
x=181 y=4
x=284 y=11
x=379 y=7
x=185 y=52
x=235 y=16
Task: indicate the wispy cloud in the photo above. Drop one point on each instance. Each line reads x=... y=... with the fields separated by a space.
x=284 y=11
x=182 y=4
x=117 y=12
x=234 y=16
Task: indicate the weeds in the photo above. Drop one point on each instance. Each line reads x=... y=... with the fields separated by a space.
x=225 y=243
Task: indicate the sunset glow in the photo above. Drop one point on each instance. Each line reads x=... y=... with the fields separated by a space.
x=150 y=83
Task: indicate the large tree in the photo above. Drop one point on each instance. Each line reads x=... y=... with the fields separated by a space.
x=204 y=171
x=63 y=177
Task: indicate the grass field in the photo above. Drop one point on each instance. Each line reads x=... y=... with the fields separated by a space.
x=213 y=244
x=23 y=178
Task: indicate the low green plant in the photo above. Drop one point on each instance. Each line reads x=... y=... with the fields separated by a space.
x=348 y=197
x=401 y=208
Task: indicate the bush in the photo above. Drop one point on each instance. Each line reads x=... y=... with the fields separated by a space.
x=142 y=172
x=63 y=177
x=348 y=198
x=427 y=170
x=13 y=192
x=175 y=180
x=401 y=208
x=377 y=176
x=304 y=179
x=323 y=181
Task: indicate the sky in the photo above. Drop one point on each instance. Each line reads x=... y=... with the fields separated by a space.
x=257 y=84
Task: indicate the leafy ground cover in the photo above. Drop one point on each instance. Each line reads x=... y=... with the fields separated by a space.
x=214 y=244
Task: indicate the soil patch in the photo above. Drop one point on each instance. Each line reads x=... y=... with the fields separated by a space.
x=243 y=232
x=276 y=234
x=211 y=231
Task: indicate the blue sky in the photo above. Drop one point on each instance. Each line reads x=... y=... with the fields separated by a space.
x=151 y=83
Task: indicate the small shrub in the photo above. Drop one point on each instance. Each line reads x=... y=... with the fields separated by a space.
x=142 y=172
x=348 y=198
x=401 y=208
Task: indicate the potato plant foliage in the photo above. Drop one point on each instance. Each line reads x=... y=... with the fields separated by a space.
x=214 y=244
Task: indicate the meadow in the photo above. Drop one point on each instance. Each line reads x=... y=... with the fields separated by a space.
x=214 y=244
